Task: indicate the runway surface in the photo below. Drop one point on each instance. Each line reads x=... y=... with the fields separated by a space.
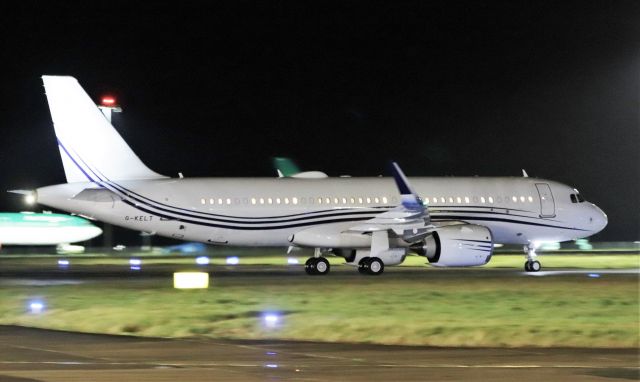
x=44 y=355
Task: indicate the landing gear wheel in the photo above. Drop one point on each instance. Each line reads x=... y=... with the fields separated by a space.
x=310 y=266
x=322 y=266
x=363 y=266
x=535 y=266
x=532 y=266
x=376 y=266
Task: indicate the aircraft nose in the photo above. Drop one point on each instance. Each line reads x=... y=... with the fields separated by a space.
x=598 y=219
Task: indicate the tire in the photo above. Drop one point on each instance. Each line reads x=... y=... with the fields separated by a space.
x=322 y=266
x=375 y=266
x=535 y=266
x=310 y=266
x=363 y=266
x=527 y=267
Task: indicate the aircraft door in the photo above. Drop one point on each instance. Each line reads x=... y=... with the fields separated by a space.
x=547 y=204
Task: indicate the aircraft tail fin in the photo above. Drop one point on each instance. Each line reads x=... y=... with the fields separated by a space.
x=90 y=147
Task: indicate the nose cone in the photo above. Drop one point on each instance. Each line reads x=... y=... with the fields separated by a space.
x=598 y=219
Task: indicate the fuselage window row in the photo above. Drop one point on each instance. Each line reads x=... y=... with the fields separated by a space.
x=365 y=200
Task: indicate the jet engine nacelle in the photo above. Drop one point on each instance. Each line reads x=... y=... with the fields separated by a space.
x=461 y=245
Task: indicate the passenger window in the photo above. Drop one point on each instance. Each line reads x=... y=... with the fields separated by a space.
x=368 y=200
x=253 y=200
x=458 y=200
x=269 y=201
x=384 y=200
x=359 y=200
x=514 y=198
x=491 y=199
x=376 y=199
x=211 y=201
x=228 y=201
x=202 y=201
x=522 y=199
x=261 y=200
x=294 y=200
x=530 y=199
x=450 y=199
x=426 y=200
x=482 y=199
x=220 y=201
x=278 y=200
x=466 y=199
x=286 y=200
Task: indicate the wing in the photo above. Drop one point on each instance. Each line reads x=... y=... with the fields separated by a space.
x=409 y=220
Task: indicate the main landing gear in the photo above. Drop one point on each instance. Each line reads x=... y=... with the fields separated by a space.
x=317 y=266
x=371 y=266
x=531 y=265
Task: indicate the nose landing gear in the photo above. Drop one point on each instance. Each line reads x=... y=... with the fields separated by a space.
x=531 y=265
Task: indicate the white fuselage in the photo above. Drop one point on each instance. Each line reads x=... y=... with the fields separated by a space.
x=267 y=211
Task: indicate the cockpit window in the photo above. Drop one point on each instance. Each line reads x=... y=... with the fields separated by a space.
x=576 y=198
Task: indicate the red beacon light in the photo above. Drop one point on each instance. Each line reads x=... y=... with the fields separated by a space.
x=108 y=101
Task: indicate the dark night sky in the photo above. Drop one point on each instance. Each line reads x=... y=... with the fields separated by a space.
x=445 y=88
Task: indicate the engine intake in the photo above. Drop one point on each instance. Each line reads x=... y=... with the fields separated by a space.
x=461 y=245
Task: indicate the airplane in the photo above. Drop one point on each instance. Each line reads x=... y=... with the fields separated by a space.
x=370 y=222
x=287 y=168
x=29 y=228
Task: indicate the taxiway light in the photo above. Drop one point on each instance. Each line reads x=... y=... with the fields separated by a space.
x=233 y=260
x=36 y=307
x=202 y=260
x=190 y=280
x=271 y=320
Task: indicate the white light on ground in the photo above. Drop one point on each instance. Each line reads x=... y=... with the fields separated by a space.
x=271 y=320
x=233 y=260
x=135 y=262
x=271 y=365
x=36 y=307
x=292 y=260
x=62 y=263
x=202 y=260
x=190 y=280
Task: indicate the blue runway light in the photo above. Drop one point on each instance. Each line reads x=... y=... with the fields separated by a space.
x=233 y=260
x=135 y=264
x=594 y=275
x=63 y=264
x=271 y=365
x=202 y=260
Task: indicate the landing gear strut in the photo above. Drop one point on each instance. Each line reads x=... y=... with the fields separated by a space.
x=531 y=265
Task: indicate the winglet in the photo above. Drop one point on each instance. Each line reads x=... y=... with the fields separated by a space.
x=410 y=199
x=524 y=173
